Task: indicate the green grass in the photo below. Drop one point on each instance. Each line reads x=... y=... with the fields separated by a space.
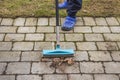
x=46 y=8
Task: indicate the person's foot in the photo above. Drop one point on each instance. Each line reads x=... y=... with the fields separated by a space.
x=69 y=23
x=63 y=5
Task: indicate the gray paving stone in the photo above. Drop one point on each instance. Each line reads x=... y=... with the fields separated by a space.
x=81 y=56
x=79 y=21
x=42 y=68
x=52 y=21
x=91 y=67
x=18 y=68
x=106 y=77
x=115 y=29
x=112 y=67
x=55 y=77
x=52 y=37
x=2 y=37
x=11 y=56
x=89 y=21
x=107 y=46
x=94 y=37
x=29 y=77
x=112 y=21
x=115 y=55
x=26 y=29
x=45 y=29
x=14 y=37
x=99 y=56
x=22 y=46
x=31 y=22
x=101 y=29
x=67 y=45
x=80 y=77
x=112 y=37
x=42 y=21
x=86 y=46
x=100 y=21
x=82 y=29
x=2 y=67
x=31 y=56
x=68 y=68
x=7 y=77
x=8 y=29
x=19 y=22
x=34 y=37
x=5 y=45
x=7 y=21
x=74 y=37
x=44 y=45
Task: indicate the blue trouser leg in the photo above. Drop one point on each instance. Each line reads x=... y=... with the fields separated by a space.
x=73 y=7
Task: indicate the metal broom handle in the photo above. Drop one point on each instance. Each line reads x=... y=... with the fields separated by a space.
x=57 y=23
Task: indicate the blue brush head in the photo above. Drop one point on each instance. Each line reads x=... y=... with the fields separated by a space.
x=58 y=53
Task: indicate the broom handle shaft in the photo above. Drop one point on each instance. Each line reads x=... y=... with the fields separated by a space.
x=57 y=23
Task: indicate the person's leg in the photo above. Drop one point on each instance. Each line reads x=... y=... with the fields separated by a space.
x=73 y=7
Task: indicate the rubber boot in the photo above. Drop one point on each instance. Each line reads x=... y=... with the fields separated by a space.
x=69 y=23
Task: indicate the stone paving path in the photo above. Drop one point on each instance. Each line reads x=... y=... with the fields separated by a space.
x=95 y=40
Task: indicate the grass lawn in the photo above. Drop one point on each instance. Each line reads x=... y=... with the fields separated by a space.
x=46 y=8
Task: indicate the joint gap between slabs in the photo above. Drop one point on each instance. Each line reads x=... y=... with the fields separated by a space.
x=79 y=67
x=96 y=46
x=110 y=52
x=103 y=67
x=20 y=56
x=88 y=56
x=16 y=76
x=93 y=76
x=4 y=37
x=95 y=21
x=4 y=72
x=117 y=46
x=31 y=67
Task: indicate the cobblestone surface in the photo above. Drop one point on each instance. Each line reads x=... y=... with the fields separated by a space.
x=96 y=42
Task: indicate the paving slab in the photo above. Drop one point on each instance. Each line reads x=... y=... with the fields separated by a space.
x=42 y=21
x=106 y=77
x=91 y=67
x=29 y=77
x=26 y=29
x=31 y=56
x=42 y=68
x=5 y=46
x=9 y=56
x=112 y=67
x=99 y=56
x=2 y=67
x=2 y=37
x=7 y=77
x=18 y=68
x=7 y=21
x=115 y=55
x=55 y=77
x=68 y=69
x=100 y=21
x=89 y=21
x=19 y=22
x=112 y=21
x=80 y=77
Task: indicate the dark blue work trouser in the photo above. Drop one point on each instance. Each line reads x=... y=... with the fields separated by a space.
x=73 y=7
